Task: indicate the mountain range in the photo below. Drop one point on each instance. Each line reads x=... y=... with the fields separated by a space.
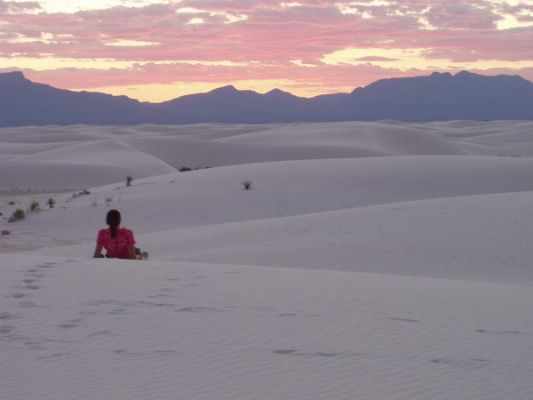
x=437 y=97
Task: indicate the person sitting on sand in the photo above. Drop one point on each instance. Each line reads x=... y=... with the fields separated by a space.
x=118 y=242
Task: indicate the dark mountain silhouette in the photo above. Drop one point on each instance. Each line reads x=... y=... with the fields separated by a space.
x=442 y=97
x=438 y=97
x=227 y=104
x=23 y=102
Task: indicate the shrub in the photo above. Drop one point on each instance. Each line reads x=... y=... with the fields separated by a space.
x=247 y=185
x=51 y=203
x=185 y=169
x=35 y=206
x=84 y=192
x=129 y=180
x=11 y=203
x=17 y=215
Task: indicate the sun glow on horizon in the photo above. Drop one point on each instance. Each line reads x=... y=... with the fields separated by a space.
x=157 y=93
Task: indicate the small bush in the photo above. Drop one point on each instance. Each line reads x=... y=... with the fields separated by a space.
x=84 y=192
x=17 y=215
x=129 y=180
x=247 y=185
x=11 y=203
x=185 y=169
x=35 y=206
x=51 y=203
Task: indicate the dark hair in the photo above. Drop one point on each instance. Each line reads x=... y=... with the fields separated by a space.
x=113 y=220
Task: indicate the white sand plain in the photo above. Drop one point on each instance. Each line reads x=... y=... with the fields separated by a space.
x=373 y=261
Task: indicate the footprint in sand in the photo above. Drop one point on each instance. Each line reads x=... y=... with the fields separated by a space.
x=510 y=332
x=53 y=356
x=18 y=295
x=34 y=273
x=322 y=354
x=29 y=287
x=73 y=323
x=34 y=345
x=48 y=265
x=118 y=311
x=403 y=319
x=5 y=329
x=285 y=352
x=6 y=316
x=29 y=304
x=195 y=310
x=471 y=363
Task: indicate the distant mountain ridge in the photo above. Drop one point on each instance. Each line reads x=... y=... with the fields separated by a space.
x=437 y=97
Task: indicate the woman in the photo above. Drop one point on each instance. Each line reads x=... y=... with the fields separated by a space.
x=118 y=242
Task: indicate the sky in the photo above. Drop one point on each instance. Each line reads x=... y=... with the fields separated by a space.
x=156 y=50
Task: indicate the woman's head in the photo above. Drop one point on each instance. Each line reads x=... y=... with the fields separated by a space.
x=113 y=220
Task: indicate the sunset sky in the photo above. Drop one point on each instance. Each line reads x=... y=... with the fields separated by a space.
x=155 y=50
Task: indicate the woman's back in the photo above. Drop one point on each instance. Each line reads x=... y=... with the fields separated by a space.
x=116 y=247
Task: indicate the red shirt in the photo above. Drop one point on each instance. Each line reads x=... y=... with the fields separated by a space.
x=117 y=247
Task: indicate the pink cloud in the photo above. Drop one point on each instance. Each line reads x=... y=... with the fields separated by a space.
x=271 y=34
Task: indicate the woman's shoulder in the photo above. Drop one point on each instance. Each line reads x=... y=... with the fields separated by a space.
x=125 y=232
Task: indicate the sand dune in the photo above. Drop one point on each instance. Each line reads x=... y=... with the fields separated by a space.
x=74 y=328
x=150 y=150
x=280 y=189
x=368 y=261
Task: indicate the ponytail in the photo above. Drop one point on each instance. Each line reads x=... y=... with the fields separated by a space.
x=113 y=220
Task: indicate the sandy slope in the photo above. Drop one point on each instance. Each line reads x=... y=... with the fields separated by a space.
x=480 y=238
x=84 y=329
x=405 y=251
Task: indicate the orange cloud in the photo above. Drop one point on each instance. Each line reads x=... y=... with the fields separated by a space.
x=309 y=46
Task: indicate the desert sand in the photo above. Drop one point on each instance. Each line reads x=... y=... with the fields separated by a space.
x=370 y=261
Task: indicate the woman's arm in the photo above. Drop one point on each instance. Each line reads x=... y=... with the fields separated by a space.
x=98 y=251
x=131 y=252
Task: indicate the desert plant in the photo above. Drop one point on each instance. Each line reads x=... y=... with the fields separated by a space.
x=185 y=169
x=247 y=185
x=84 y=192
x=35 y=206
x=129 y=180
x=11 y=203
x=51 y=203
x=17 y=215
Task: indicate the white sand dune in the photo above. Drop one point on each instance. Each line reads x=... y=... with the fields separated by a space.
x=280 y=189
x=368 y=261
x=481 y=238
x=83 y=329
x=180 y=152
x=150 y=150
x=390 y=138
